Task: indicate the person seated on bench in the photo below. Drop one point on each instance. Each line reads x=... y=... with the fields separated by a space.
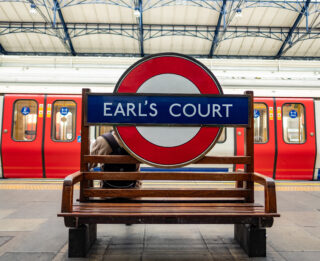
x=108 y=144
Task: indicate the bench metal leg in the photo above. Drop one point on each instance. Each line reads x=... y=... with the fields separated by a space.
x=252 y=239
x=81 y=240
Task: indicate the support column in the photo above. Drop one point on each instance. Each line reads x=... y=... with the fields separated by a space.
x=81 y=239
x=252 y=239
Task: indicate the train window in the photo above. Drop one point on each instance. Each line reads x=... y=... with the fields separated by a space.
x=102 y=129
x=293 y=122
x=64 y=121
x=223 y=136
x=25 y=120
x=260 y=123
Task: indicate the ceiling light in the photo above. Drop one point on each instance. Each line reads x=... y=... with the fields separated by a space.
x=136 y=12
x=238 y=12
x=33 y=9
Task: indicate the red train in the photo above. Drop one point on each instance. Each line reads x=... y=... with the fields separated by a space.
x=40 y=137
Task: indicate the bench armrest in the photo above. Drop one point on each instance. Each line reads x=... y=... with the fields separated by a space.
x=269 y=192
x=67 y=190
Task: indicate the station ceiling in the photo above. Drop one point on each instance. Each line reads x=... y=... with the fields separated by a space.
x=280 y=29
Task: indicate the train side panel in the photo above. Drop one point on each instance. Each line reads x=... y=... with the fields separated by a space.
x=316 y=175
x=62 y=135
x=296 y=138
x=264 y=137
x=1 y=113
x=22 y=135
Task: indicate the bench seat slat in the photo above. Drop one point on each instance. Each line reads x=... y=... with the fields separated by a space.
x=166 y=210
x=119 y=159
x=198 y=204
x=134 y=193
x=170 y=200
x=170 y=210
x=165 y=214
x=232 y=176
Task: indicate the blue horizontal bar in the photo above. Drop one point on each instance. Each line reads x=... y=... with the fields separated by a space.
x=190 y=110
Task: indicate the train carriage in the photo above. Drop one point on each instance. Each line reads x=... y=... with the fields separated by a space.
x=41 y=137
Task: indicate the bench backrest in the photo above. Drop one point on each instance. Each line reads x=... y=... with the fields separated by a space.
x=244 y=181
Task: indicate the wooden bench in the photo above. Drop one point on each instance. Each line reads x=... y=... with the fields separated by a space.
x=169 y=206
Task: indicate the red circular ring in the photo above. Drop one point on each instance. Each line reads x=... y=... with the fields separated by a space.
x=152 y=66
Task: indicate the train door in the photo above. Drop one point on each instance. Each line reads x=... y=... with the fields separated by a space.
x=296 y=138
x=62 y=135
x=1 y=113
x=264 y=137
x=316 y=175
x=22 y=136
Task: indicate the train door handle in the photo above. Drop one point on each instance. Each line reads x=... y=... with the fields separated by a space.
x=311 y=134
x=5 y=131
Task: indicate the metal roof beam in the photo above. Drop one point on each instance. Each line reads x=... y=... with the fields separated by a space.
x=216 y=33
x=47 y=18
x=141 y=29
x=152 y=31
x=244 y=57
x=292 y=5
x=2 y=50
x=65 y=28
x=297 y=21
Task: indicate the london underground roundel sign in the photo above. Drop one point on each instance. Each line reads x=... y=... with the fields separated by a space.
x=169 y=74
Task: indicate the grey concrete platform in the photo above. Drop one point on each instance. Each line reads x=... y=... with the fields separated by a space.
x=30 y=230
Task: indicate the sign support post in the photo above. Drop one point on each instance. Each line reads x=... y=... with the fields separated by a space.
x=249 y=147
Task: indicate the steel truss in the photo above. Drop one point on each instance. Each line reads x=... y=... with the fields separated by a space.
x=292 y=5
x=155 y=31
x=141 y=32
x=262 y=57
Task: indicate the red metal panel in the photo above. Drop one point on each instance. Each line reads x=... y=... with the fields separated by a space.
x=296 y=161
x=264 y=153
x=21 y=159
x=61 y=158
x=239 y=139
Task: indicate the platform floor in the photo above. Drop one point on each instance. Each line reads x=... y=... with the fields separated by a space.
x=30 y=229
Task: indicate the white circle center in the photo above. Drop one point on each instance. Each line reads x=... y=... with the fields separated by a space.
x=168 y=136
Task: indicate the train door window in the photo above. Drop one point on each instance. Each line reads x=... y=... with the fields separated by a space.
x=223 y=136
x=260 y=117
x=64 y=121
x=25 y=116
x=293 y=122
x=103 y=129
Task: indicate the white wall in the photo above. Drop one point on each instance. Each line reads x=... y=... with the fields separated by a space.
x=70 y=74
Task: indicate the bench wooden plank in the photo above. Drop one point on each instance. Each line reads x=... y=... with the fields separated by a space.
x=124 y=159
x=174 y=214
x=231 y=176
x=169 y=200
x=103 y=204
x=136 y=193
x=167 y=209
